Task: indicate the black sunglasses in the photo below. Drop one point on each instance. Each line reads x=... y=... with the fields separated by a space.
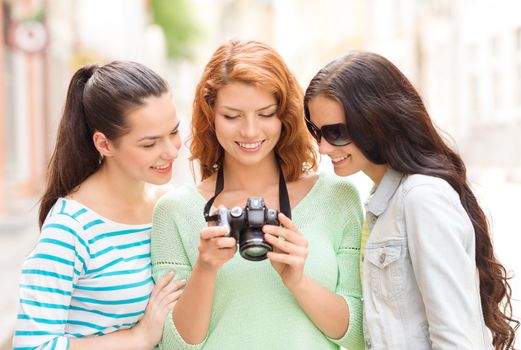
x=335 y=134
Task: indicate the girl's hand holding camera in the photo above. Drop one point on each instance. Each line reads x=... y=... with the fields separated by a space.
x=216 y=247
x=290 y=253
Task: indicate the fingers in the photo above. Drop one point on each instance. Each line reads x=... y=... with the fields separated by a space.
x=214 y=223
x=163 y=303
x=162 y=283
x=174 y=296
x=177 y=285
x=214 y=232
x=215 y=237
x=161 y=290
x=292 y=260
x=290 y=247
x=286 y=222
x=218 y=254
x=165 y=280
x=225 y=242
x=289 y=234
x=216 y=247
x=286 y=246
x=169 y=301
x=170 y=289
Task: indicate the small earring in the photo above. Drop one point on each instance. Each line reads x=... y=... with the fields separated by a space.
x=101 y=157
x=215 y=166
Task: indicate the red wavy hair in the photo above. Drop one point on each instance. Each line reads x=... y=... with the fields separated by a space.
x=256 y=64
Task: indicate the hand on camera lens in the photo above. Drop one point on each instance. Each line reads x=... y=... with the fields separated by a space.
x=289 y=253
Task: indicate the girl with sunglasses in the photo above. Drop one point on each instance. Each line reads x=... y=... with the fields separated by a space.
x=429 y=275
x=87 y=283
x=249 y=131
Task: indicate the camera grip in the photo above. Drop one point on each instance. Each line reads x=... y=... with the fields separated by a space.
x=222 y=215
x=272 y=217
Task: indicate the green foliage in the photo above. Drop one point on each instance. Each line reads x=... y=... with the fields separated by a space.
x=178 y=24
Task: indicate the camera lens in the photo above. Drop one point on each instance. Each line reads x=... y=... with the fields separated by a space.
x=252 y=245
x=256 y=251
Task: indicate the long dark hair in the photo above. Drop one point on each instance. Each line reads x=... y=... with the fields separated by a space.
x=97 y=100
x=389 y=123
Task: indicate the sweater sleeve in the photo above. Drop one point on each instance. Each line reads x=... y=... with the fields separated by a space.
x=48 y=277
x=168 y=254
x=349 y=286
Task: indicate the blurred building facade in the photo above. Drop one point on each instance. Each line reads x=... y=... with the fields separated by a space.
x=23 y=129
x=43 y=43
x=464 y=56
x=489 y=82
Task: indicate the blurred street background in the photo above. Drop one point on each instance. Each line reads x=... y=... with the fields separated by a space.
x=464 y=56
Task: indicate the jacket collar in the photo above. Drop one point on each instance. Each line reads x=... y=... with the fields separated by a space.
x=381 y=195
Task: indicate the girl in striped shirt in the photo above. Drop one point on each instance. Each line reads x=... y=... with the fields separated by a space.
x=87 y=282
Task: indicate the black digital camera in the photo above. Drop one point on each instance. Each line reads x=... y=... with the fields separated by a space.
x=245 y=225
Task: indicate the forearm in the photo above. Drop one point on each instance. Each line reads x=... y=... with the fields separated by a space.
x=123 y=339
x=328 y=310
x=192 y=312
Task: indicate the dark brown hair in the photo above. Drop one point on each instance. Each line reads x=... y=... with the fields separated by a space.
x=256 y=64
x=97 y=100
x=389 y=123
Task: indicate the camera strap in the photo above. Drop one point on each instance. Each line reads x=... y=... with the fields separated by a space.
x=284 y=204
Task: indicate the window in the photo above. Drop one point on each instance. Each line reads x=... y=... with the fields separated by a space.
x=496 y=91
x=518 y=39
x=474 y=95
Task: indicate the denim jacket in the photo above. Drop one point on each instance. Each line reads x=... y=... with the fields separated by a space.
x=420 y=281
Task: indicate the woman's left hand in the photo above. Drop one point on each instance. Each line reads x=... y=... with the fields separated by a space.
x=289 y=253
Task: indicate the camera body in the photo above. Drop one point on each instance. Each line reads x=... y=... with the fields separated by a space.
x=245 y=225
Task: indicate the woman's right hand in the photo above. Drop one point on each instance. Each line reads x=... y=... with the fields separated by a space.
x=215 y=247
x=192 y=315
x=162 y=300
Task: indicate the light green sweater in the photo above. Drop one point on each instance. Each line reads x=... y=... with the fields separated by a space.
x=252 y=308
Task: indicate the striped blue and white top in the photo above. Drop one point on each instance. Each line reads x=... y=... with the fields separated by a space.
x=87 y=275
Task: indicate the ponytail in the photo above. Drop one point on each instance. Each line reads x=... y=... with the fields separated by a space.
x=74 y=158
x=97 y=100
